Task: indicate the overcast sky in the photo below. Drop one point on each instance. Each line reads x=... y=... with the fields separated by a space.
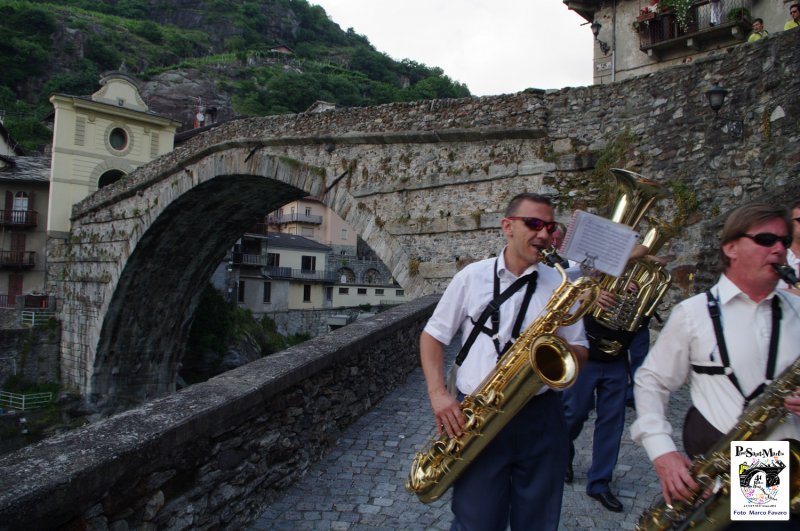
x=492 y=46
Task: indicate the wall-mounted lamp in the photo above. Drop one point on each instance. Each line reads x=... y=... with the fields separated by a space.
x=596 y=31
x=716 y=99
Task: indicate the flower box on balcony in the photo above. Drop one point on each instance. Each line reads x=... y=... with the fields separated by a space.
x=646 y=16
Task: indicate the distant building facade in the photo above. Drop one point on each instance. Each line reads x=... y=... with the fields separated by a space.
x=306 y=259
x=24 y=187
x=99 y=139
x=636 y=37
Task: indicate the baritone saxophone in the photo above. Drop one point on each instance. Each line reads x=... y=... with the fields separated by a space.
x=712 y=470
x=537 y=358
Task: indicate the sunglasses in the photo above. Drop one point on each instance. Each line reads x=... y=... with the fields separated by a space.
x=767 y=239
x=536 y=224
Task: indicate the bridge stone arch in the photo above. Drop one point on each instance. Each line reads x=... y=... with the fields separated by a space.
x=141 y=250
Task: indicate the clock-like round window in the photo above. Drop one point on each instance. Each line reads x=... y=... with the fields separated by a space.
x=118 y=139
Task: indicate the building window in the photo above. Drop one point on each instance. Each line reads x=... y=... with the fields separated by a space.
x=344 y=234
x=110 y=177
x=273 y=259
x=267 y=297
x=308 y=232
x=378 y=291
x=306 y=292
x=329 y=294
x=118 y=138
x=344 y=291
x=362 y=291
x=399 y=293
x=241 y=291
x=308 y=263
x=21 y=201
x=308 y=211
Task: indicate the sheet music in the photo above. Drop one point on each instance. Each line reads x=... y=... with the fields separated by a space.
x=599 y=243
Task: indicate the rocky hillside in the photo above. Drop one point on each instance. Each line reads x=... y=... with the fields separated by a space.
x=243 y=58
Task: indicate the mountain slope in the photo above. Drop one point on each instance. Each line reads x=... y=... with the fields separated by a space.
x=191 y=53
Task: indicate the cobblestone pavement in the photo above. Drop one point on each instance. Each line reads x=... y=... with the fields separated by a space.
x=359 y=484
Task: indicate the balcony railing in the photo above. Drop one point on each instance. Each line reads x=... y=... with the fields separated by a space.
x=287 y=273
x=17 y=259
x=244 y=259
x=19 y=218
x=294 y=218
x=661 y=32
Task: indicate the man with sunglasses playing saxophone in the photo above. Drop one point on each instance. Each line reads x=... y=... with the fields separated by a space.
x=517 y=479
x=728 y=341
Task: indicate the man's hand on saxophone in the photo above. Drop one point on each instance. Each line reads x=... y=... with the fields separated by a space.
x=672 y=470
x=446 y=409
x=792 y=403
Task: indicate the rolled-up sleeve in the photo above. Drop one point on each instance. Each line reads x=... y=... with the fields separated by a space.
x=449 y=313
x=664 y=370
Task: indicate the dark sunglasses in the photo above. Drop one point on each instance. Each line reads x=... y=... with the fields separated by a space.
x=767 y=239
x=536 y=223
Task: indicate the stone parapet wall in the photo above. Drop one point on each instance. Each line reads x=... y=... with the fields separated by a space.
x=214 y=454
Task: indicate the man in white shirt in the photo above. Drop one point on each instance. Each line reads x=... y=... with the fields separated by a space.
x=518 y=478
x=758 y=341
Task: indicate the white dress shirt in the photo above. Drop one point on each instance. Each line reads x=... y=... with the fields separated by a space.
x=688 y=338
x=464 y=300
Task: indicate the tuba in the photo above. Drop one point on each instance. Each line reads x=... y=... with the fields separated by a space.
x=643 y=283
x=536 y=358
x=757 y=421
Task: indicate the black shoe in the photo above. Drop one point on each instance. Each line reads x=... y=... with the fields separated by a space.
x=569 y=475
x=609 y=501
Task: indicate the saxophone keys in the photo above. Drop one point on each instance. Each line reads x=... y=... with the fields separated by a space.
x=473 y=422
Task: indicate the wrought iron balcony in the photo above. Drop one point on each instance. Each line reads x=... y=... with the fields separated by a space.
x=662 y=32
x=294 y=218
x=244 y=259
x=287 y=273
x=17 y=259
x=19 y=218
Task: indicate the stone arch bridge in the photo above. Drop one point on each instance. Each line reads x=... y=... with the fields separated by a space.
x=423 y=183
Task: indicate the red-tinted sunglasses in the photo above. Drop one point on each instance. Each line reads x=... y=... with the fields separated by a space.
x=536 y=224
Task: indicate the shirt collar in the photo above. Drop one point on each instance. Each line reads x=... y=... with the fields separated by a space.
x=727 y=291
x=502 y=270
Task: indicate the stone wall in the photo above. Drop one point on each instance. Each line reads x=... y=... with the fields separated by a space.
x=214 y=454
x=32 y=352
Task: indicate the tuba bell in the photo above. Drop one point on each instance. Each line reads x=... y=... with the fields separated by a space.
x=643 y=283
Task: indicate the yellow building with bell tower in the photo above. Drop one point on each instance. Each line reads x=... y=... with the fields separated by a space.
x=99 y=139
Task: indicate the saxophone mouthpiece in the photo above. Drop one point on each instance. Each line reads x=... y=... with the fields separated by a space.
x=787 y=274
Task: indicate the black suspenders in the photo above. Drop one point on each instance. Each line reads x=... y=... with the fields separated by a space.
x=714 y=313
x=493 y=310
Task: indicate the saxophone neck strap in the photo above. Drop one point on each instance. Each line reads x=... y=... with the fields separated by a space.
x=714 y=312
x=493 y=310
